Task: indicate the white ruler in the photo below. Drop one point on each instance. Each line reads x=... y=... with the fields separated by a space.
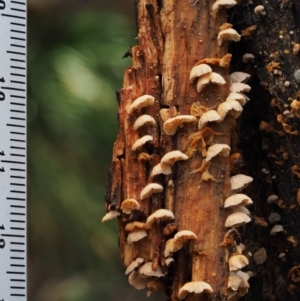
x=13 y=164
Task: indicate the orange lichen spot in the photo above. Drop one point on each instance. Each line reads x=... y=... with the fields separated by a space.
x=281 y=204
x=223 y=62
x=248 y=31
x=296 y=170
x=287 y=128
x=260 y=221
x=144 y=157
x=296 y=48
x=273 y=65
x=295 y=108
x=294 y=274
x=265 y=126
x=198 y=110
x=292 y=241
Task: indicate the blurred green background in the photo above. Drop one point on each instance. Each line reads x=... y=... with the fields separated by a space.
x=75 y=64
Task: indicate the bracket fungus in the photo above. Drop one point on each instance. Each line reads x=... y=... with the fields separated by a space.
x=238 y=282
x=183 y=236
x=248 y=57
x=228 y=34
x=129 y=205
x=237 y=219
x=237 y=262
x=110 y=215
x=137 y=281
x=260 y=256
x=136 y=235
x=171 y=157
x=159 y=216
x=196 y=287
x=223 y=3
x=217 y=149
x=199 y=70
x=141 y=102
x=238 y=199
x=210 y=116
x=239 y=77
x=239 y=182
x=149 y=189
x=259 y=10
x=144 y=120
x=237 y=96
x=160 y=169
x=230 y=106
x=146 y=270
x=141 y=141
x=171 y=125
x=276 y=229
x=134 y=264
x=239 y=87
x=208 y=78
x=238 y=208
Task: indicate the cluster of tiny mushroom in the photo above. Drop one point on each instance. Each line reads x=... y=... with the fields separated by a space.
x=139 y=272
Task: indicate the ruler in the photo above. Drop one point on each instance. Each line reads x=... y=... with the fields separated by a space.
x=13 y=186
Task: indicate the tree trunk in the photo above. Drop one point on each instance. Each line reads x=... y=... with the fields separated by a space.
x=173 y=36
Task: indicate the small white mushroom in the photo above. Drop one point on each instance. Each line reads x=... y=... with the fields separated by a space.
x=248 y=57
x=169 y=260
x=223 y=3
x=160 y=169
x=237 y=96
x=259 y=10
x=128 y=205
x=242 y=209
x=196 y=287
x=237 y=262
x=160 y=215
x=171 y=125
x=239 y=77
x=217 y=149
x=276 y=229
x=146 y=269
x=136 y=235
x=181 y=237
x=149 y=189
x=141 y=141
x=199 y=70
x=237 y=199
x=144 y=120
x=238 y=281
x=140 y=102
x=239 y=182
x=136 y=263
x=272 y=198
x=137 y=281
x=239 y=87
x=274 y=218
x=209 y=116
x=169 y=247
x=237 y=219
x=110 y=215
x=228 y=34
x=260 y=256
x=212 y=77
x=232 y=107
x=171 y=157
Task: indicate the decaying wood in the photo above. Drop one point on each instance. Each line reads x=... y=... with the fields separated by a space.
x=173 y=36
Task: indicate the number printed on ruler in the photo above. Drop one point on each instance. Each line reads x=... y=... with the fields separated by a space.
x=13 y=186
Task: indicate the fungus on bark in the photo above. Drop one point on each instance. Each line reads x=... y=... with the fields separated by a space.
x=141 y=102
x=150 y=189
x=141 y=141
x=196 y=287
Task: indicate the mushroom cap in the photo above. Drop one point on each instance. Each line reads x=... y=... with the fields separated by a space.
x=169 y=247
x=259 y=9
x=134 y=264
x=140 y=102
x=238 y=208
x=159 y=169
x=217 y=149
x=276 y=229
x=237 y=219
x=237 y=96
x=149 y=189
x=182 y=236
x=143 y=120
x=141 y=141
x=260 y=256
x=237 y=199
x=272 y=198
x=237 y=262
x=128 y=205
x=146 y=269
x=228 y=34
x=110 y=215
x=171 y=157
x=207 y=78
x=239 y=87
x=240 y=181
x=160 y=215
x=227 y=3
x=171 y=124
x=136 y=235
x=238 y=281
x=196 y=287
x=209 y=116
x=248 y=57
x=137 y=281
x=199 y=70
x=239 y=77
x=135 y=226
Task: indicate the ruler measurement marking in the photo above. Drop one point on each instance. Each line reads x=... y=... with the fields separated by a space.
x=13 y=16
x=17 y=24
x=16 y=60
x=17 y=9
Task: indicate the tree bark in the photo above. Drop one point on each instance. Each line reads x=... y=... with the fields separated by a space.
x=173 y=36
